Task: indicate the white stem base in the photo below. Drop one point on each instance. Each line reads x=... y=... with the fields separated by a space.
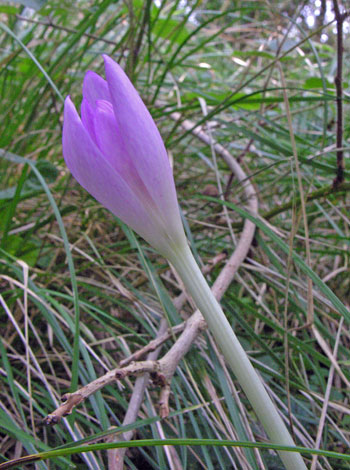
x=235 y=356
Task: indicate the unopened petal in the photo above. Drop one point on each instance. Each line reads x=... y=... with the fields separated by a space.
x=97 y=176
x=109 y=141
x=95 y=88
x=87 y=118
x=142 y=141
x=105 y=129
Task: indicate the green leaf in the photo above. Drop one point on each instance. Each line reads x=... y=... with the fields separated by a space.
x=168 y=29
x=20 y=248
x=316 y=82
x=168 y=442
x=8 y=10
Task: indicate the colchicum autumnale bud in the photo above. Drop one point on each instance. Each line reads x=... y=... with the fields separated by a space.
x=117 y=154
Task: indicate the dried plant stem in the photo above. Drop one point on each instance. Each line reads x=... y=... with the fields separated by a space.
x=116 y=456
x=339 y=17
x=326 y=397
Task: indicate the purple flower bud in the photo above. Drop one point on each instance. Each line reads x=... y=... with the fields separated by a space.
x=116 y=153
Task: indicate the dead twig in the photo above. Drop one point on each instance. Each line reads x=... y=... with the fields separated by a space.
x=339 y=18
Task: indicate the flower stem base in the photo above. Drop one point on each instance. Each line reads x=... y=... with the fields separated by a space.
x=235 y=356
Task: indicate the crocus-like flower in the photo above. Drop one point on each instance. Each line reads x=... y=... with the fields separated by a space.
x=116 y=153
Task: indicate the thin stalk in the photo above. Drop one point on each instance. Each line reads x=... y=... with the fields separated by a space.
x=339 y=18
x=234 y=354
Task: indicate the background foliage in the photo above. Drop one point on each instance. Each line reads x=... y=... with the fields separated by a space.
x=63 y=257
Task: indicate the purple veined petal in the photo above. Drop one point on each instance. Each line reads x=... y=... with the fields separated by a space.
x=95 y=88
x=95 y=174
x=142 y=141
x=109 y=141
x=87 y=118
x=138 y=129
x=108 y=137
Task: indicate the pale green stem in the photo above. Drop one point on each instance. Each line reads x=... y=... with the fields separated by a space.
x=235 y=356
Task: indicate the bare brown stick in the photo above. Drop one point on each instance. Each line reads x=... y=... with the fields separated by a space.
x=129 y=367
x=71 y=400
x=153 y=345
x=116 y=456
x=339 y=17
x=168 y=333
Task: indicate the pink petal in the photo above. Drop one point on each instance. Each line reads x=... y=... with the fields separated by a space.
x=87 y=118
x=105 y=129
x=108 y=137
x=143 y=143
x=95 y=88
x=109 y=141
x=98 y=177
